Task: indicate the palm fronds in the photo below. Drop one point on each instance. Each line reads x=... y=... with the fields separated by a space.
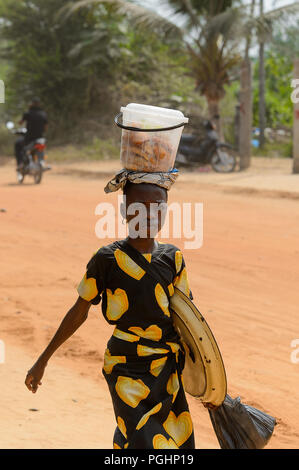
x=282 y=13
x=140 y=15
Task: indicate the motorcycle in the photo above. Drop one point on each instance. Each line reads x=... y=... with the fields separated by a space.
x=194 y=151
x=33 y=156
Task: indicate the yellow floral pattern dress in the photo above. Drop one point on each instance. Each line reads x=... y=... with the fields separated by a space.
x=143 y=361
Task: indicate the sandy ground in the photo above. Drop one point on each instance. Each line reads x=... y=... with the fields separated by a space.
x=244 y=280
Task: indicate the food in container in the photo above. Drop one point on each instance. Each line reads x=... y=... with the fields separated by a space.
x=148 y=150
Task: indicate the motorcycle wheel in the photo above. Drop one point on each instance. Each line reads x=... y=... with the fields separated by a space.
x=38 y=175
x=224 y=160
x=20 y=177
x=179 y=161
x=182 y=162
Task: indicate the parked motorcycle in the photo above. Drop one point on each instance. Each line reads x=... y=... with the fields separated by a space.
x=196 y=151
x=33 y=156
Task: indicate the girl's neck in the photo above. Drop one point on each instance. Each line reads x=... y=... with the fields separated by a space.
x=144 y=245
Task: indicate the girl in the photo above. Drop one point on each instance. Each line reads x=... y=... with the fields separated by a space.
x=144 y=359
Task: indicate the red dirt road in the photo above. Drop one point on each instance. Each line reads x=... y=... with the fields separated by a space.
x=244 y=280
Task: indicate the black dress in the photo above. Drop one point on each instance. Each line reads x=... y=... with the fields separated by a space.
x=143 y=361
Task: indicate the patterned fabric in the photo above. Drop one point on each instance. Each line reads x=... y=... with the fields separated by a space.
x=165 y=180
x=144 y=359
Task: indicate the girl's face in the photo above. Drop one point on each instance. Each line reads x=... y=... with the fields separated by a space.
x=146 y=206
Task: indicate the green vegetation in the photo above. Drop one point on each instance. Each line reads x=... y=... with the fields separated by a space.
x=279 y=73
x=6 y=141
x=85 y=66
x=274 y=149
x=86 y=59
x=99 y=149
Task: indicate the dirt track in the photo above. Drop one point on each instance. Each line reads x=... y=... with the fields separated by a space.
x=244 y=280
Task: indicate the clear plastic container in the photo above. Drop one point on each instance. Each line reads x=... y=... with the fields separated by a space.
x=150 y=151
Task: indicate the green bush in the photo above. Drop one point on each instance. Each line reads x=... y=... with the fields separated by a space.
x=274 y=149
x=6 y=142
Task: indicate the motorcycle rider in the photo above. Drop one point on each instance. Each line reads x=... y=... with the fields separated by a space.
x=36 y=123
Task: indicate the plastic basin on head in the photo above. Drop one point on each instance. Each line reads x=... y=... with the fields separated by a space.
x=150 y=151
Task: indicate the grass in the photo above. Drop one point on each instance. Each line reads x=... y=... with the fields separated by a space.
x=98 y=149
x=274 y=150
x=72 y=153
x=7 y=141
x=107 y=149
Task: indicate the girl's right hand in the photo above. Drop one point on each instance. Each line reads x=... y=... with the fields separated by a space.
x=34 y=376
x=72 y=321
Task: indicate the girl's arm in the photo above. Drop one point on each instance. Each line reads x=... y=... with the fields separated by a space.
x=72 y=321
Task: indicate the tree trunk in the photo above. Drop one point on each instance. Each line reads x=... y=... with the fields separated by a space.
x=262 y=105
x=245 y=128
x=296 y=125
x=245 y=105
x=214 y=116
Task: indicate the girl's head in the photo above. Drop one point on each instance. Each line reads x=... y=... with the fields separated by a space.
x=144 y=208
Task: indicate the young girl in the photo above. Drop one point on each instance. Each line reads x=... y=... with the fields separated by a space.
x=144 y=360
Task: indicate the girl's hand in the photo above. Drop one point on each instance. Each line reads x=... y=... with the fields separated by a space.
x=34 y=376
x=209 y=405
x=72 y=321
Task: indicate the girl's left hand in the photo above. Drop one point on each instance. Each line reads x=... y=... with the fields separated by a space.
x=210 y=406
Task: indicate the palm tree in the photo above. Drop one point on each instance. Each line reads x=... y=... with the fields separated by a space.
x=245 y=23
x=212 y=33
x=209 y=34
x=213 y=52
x=245 y=116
